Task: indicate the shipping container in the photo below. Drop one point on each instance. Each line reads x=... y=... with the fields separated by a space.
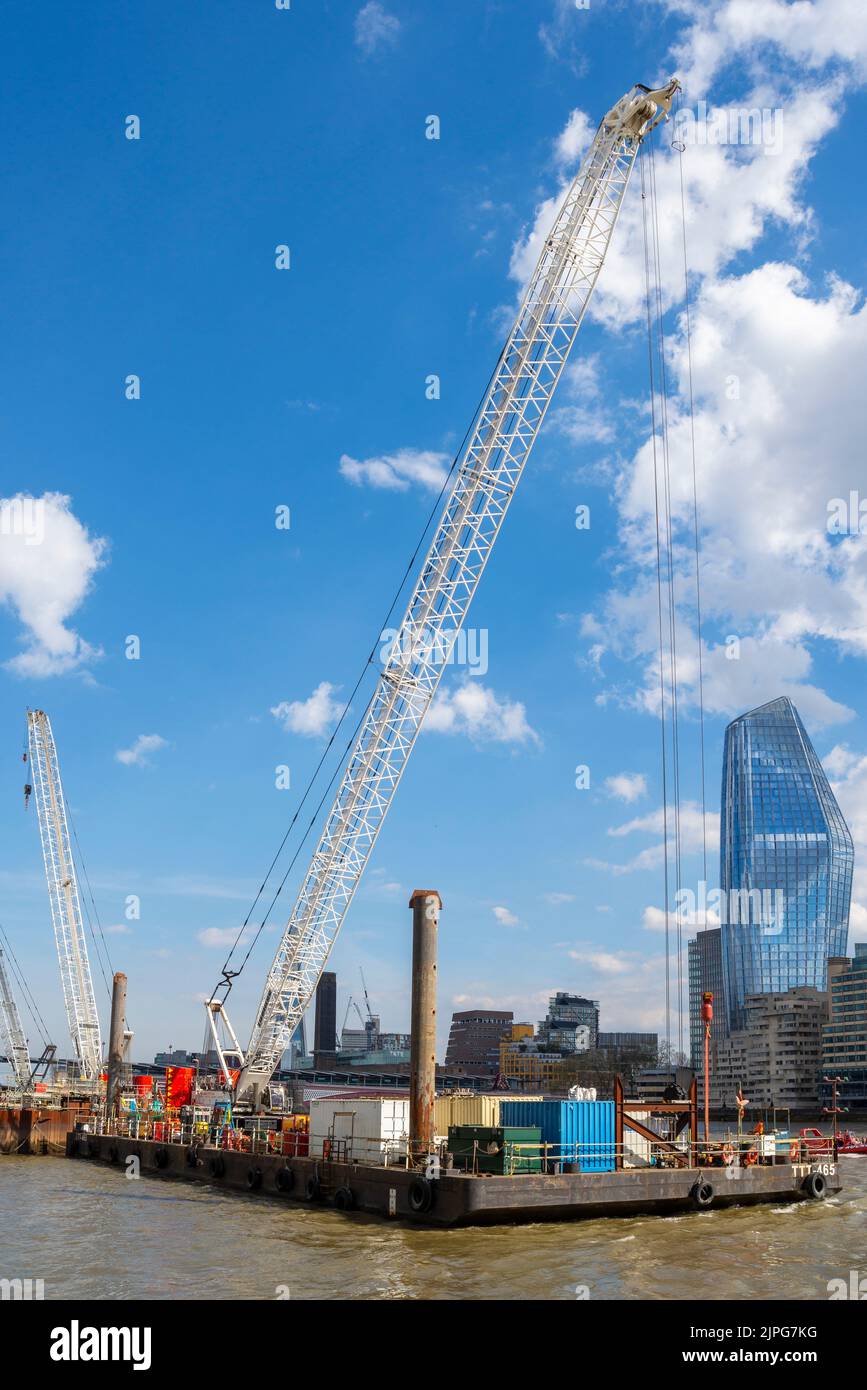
x=495 y=1149
x=369 y=1129
x=578 y=1131
x=480 y=1109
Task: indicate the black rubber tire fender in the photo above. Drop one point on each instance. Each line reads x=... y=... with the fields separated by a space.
x=702 y=1195
x=162 y=1157
x=344 y=1199
x=217 y=1166
x=254 y=1179
x=421 y=1195
x=313 y=1188
x=285 y=1179
x=816 y=1186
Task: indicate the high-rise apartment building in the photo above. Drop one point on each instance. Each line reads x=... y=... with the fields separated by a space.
x=571 y=1024
x=786 y=860
x=844 y=1040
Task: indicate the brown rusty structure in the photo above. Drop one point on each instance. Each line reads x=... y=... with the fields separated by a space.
x=115 y=1043
x=426 y=906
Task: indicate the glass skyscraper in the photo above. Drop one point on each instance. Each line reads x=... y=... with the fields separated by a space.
x=786 y=859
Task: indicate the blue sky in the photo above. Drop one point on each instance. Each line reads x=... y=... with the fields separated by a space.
x=306 y=388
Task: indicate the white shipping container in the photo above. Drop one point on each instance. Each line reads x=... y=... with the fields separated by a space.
x=369 y=1129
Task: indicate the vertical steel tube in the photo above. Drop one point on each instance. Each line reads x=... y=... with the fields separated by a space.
x=707 y=1018
x=426 y=906
x=116 y=1044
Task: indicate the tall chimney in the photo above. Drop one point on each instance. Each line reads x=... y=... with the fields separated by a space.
x=426 y=906
x=116 y=1044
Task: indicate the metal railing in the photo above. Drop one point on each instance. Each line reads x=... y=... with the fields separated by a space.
x=512 y=1160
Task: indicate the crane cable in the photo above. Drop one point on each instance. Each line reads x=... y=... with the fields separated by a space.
x=227 y=975
x=96 y=941
x=653 y=436
x=20 y=978
x=678 y=146
x=664 y=526
x=672 y=601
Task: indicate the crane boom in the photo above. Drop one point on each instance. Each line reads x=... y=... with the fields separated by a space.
x=501 y=438
x=78 y=995
x=12 y=1039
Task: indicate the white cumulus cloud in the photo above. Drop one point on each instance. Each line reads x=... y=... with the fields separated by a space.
x=398 y=471
x=48 y=560
x=137 y=755
x=627 y=786
x=476 y=710
x=505 y=917
x=311 y=717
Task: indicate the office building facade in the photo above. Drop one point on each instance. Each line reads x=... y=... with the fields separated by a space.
x=844 y=1040
x=475 y=1037
x=704 y=957
x=786 y=860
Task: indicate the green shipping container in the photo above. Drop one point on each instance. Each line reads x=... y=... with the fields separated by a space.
x=492 y=1149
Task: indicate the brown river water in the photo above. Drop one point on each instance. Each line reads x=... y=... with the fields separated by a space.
x=90 y=1233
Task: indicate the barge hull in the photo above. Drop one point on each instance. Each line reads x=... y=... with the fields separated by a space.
x=457 y=1199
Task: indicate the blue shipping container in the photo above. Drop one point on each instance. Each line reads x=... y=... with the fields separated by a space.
x=582 y=1130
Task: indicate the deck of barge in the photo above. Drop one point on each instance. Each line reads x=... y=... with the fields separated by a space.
x=458 y=1199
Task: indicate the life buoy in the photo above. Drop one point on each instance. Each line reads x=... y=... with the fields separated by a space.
x=751 y=1158
x=728 y=1155
x=326 y=1148
x=421 y=1195
x=702 y=1195
x=795 y=1150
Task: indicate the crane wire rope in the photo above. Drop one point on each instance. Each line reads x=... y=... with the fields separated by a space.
x=21 y=980
x=678 y=146
x=229 y=975
x=96 y=941
x=664 y=751
x=672 y=601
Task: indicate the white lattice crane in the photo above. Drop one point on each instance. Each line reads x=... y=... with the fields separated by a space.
x=499 y=443
x=78 y=995
x=12 y=1039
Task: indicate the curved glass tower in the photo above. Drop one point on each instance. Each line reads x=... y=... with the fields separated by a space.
x=786 y=859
